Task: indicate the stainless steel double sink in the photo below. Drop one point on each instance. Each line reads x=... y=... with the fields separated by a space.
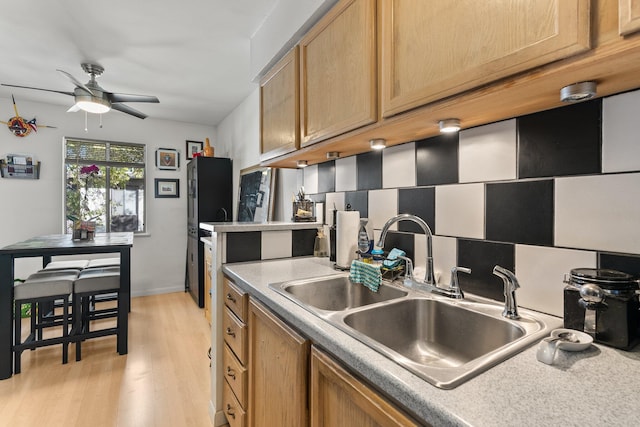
x=444 y=341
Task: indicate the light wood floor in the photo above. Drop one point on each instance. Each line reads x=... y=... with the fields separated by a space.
x=163 y=381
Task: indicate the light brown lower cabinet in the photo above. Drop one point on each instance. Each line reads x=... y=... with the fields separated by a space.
x=338 y=399
x=278 y=371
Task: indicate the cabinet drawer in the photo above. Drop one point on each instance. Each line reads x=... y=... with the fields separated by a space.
x=236 y=375
x=235 y=335
x=235 y=299
x=236 y=416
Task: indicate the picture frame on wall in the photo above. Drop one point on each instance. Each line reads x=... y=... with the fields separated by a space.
x=167 y=159
x=167 y=188
x=194 y=148
x=257 y=187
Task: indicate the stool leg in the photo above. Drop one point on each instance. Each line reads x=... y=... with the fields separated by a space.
x=86 y=313
x=77 y=316
x=17 y=327
x=37 y=333
x=38 y=310
x=65 y=330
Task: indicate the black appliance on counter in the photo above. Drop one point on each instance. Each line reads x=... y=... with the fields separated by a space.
x=209 y=195
x=603 y=303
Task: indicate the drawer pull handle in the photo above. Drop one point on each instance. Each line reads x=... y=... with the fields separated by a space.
x=231 y=373
x=230 y=332
x=231 y=412
x=231 y=298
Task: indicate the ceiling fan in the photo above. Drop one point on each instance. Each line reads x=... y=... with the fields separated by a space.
x=91 y=98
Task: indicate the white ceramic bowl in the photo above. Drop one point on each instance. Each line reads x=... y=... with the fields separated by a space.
x=584 y=340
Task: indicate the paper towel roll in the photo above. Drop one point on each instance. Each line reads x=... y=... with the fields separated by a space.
x=347 y=226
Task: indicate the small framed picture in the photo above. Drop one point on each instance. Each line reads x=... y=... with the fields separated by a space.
x=194 y=149
x=167 y=159
x=167 y=188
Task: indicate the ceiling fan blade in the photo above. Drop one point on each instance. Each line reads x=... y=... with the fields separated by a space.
x=73 y=109
x=126 y=109
x=37 y=88
x=123 y=97
x=75 y=81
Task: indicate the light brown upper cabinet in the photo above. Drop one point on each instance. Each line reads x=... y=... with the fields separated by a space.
x=338 y=72
x=434 y=49
x=280 y=108
x=629 y=16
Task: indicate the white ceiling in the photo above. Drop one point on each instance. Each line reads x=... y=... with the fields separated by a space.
x=192 y=54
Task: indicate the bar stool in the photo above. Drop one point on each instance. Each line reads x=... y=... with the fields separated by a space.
x=90 y=283
x=103 y=262
x=75 y=264
x=38 y=288
x=45 y=316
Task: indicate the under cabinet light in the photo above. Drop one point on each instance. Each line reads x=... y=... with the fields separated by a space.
x=378 y=143
x=577 y=92
x=449 y=125
x=332 y=155
x=302 y=163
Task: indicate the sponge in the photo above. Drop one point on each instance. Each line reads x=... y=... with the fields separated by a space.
x=392 y=260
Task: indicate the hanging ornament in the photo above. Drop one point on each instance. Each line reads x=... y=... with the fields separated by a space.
x=21 y=127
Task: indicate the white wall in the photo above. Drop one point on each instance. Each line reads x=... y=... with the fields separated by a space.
x=282 y=29
x=35 y=207
x=238 y=137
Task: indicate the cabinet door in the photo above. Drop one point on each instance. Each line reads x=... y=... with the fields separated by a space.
x=338 y=399
x=434 y=49
x=338 y=72
x=278 y=369
x=629 y=16
x=280 y=108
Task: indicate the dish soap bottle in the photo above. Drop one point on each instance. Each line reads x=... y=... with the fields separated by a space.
x=363 y=238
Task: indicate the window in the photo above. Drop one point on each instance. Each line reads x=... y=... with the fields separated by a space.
x=104 y=182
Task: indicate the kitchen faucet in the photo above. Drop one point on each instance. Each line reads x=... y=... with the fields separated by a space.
x=428 y=276
x=510 y=285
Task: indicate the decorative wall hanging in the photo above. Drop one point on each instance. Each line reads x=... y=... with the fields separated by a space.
x=194 y=149
x=167 y=188
x=21 y=127
x=167 y=159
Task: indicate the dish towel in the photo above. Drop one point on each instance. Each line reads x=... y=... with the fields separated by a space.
x=367 y=274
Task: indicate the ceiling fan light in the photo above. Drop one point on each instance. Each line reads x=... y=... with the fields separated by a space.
x=92 y=107
x=92 y=104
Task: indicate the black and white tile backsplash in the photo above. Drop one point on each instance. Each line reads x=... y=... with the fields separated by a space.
x=539 y=194
x=263 y=245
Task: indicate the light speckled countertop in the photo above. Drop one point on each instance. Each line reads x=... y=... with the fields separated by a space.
x=600 y=386
x=231 y=227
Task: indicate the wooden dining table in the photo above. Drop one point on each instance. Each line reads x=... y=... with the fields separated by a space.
x=55 y=245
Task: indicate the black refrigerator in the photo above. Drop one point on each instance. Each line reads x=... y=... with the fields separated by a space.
x=209 y=195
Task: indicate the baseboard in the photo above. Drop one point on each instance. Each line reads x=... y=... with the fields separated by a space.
x=157 y=291
x=217 y=418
